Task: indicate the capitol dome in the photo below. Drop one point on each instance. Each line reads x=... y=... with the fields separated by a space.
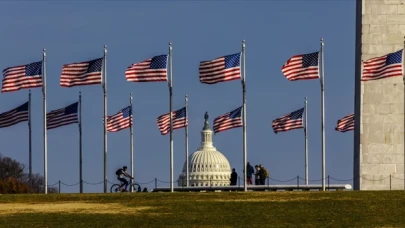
x=207 y=166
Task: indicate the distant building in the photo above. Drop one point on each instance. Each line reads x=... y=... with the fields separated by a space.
x=207 y=166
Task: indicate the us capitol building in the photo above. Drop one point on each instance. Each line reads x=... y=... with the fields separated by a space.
x=207 y=166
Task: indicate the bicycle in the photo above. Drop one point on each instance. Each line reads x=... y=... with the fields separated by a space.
x=115 y=188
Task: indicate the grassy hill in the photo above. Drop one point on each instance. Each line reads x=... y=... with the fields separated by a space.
x=258 y=209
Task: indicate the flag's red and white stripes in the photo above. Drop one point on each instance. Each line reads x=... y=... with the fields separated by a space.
x=84 y=73
x=14 y=116
x=228 y=120
x=289 y=122
x=222 y=69
x=294 y=69
x=179 y=121
x=386 y=66
x=120 y=121
x=346 y=123
x=63 y=116
x=16 y=78
x=142 y=72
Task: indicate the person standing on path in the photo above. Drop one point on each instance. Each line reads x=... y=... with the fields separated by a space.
x=234 y=177
x=249 y=174
x=257 y=175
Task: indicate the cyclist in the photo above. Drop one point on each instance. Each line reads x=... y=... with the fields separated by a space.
x=120 y=176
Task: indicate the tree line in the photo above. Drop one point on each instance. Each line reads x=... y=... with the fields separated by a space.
x=15 y=180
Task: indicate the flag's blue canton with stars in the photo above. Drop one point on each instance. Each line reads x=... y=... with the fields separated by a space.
x=181 y=113
x=395 y=57
x=14 y=116
x=22 y=77
x=179 y=121
x=228 y=121
x=232 y=61
x=222 y=69
x=71 y=108
x=310 y=60
x=23 y=108
x=289 y=122
x=83 y=73
x=63 y=116
x=33 y=69
x=120 y=121
x=159 y=62
x=150 y=70
x=386 y=66
x=302 y=67
x=126 y=112
x=95 y=65
x=236 y=113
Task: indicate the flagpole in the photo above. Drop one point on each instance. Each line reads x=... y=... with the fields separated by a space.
x=323 y=114
x=171 y=117
x=244 y=115
x=44 y=123
x=306 y=141
x=131 y=138
x=80 y=144
x=186 y=131
x=105 y=117
x=29 y=142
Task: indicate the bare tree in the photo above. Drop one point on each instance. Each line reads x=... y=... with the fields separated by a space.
x=12 y=169
x=38 y=184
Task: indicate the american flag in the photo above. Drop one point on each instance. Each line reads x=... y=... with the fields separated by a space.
x=22 y=77
x=346 y=123
x=302 y=67
x=179 y=121
x=84 y=73
x=222 y=69
x=288 y=122
x=120 y=121
x=386 y=66
x=14 y=116
x=229 y=120
x=150 y=70
x=62 y=117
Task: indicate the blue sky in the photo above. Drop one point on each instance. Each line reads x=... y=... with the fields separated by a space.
x=200 y=30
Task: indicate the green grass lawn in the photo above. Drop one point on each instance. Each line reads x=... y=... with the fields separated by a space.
x=259 y=209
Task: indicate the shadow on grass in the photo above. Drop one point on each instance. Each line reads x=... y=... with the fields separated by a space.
x=338 y=209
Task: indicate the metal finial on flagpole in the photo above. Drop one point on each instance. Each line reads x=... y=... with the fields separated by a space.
x=306 y=140
x=323 y=114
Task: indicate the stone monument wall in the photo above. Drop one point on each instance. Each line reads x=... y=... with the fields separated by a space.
x=379 y=104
